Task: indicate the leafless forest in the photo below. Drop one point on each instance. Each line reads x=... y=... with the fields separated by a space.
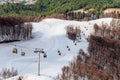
x=103 y=60
x=73 y=32
x=111 y=31
x=14 y=28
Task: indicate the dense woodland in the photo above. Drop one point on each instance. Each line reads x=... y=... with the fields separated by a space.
x=81 y=16
x=47 y=7
x=90 y=15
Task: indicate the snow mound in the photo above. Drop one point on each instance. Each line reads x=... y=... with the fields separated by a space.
x=31 y=77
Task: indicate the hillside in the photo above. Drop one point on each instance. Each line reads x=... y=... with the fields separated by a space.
x=51 y=43
x=47 y=7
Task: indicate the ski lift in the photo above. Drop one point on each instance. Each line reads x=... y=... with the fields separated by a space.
x=75 y=43
x=60 y=54
x=39 y=50
x=68 y=49
x=14 y=50
x=58 y=51
x=22 y=53
x=67 y=46
x=45 y=55
x=42 y=51
x=36 y=50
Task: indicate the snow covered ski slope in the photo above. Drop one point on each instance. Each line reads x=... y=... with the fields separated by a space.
x=49 y=34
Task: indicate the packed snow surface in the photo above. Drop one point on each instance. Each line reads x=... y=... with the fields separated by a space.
x=49 y=34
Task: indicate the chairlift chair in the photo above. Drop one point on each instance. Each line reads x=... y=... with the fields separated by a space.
x=60 y=54
x=22 y=53
x=67 y=46
x=68 y=49
x=45 y=55
x=14 y=50
x=58 y=51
